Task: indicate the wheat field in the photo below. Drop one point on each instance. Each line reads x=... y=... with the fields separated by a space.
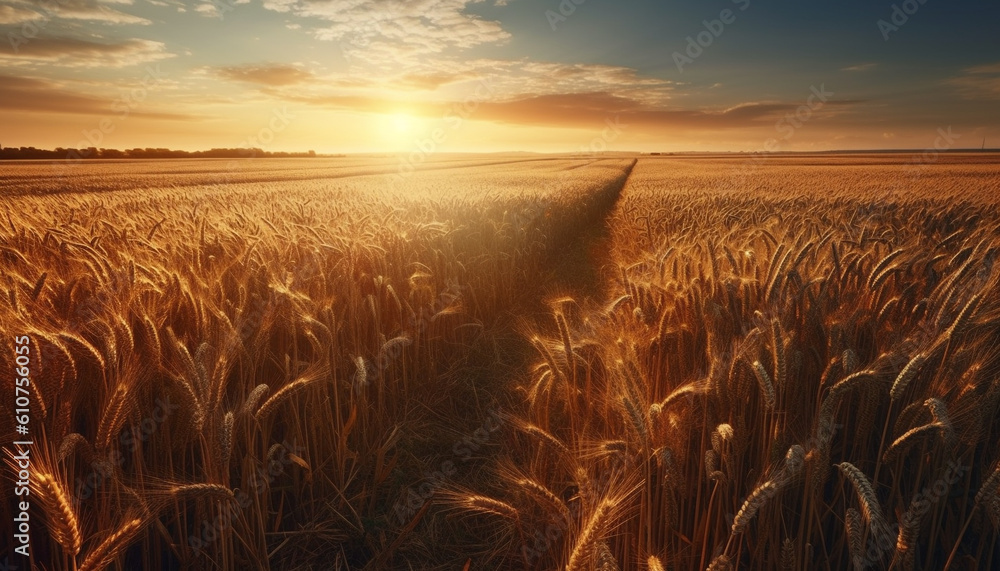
x=507 y=362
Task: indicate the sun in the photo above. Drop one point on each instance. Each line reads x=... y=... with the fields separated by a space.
x=401 y=122
x=398 y=128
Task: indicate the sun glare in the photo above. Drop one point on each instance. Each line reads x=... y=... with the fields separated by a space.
x=397 y=129
x=402 y=123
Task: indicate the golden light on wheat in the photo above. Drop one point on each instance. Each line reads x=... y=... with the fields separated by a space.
x=793 y=368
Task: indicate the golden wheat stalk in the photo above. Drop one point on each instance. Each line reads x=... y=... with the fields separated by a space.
x=721 y=563
x=250 y=405
x=200 y=491
x=788 y=560
x=639 y=420
x=903 y=558
x=543 y=493
x=904 y=442
x=605 y=559
x=485 y=504
x=63 y=523
x=907 y=374
x=842 y=387
x=114 y=415
x=866 y=497
x=226 y=438
x=856 y=537
x=778 y=354
x=288 y=391
x=102 y=556
x=70 y=443
x=795 y=459
x=756 y=500
x=989 y=487
x=722 y=434
x=764 y=382
x=585 y=544
x=546 y=437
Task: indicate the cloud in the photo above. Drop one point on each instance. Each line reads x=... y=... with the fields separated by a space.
x=509 y=79
x=90 y=10
x=429 y=81
x=272 y=75
x=574 y=110
x=217 y=8
x=18 y=93
x=279 y=5
x=71 y=52
x=394 y=31
x=12 y=15
x=990 y=68
x=860 y=67
x=583 y=109
x=979 y=82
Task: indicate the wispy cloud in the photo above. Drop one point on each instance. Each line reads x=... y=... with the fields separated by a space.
x=979 y=82
x=211 y=9
x=12 y=15
x=577 y=110
x=31 y=94
x=71 y=52
x=395 y=31
x=90 y=10
x=860 y=67
x=273 y=75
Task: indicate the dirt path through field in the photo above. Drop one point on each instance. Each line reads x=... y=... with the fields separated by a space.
x=581 y=263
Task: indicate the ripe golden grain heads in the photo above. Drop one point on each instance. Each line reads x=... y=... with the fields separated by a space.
x=291 y=389
x=61 y=518
x=870 y=506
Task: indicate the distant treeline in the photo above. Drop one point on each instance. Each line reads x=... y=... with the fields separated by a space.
x=60 y=153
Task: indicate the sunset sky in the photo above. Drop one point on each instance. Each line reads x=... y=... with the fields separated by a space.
x=499 y=75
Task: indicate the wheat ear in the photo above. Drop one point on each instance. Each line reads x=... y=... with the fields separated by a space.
x=584 y=547
x=754 y=502
x=764 y=381
x=907 y=374
x=866 y=497
x=288 y=391
x=63 y=523
x=105 y=553
x=856 y=535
